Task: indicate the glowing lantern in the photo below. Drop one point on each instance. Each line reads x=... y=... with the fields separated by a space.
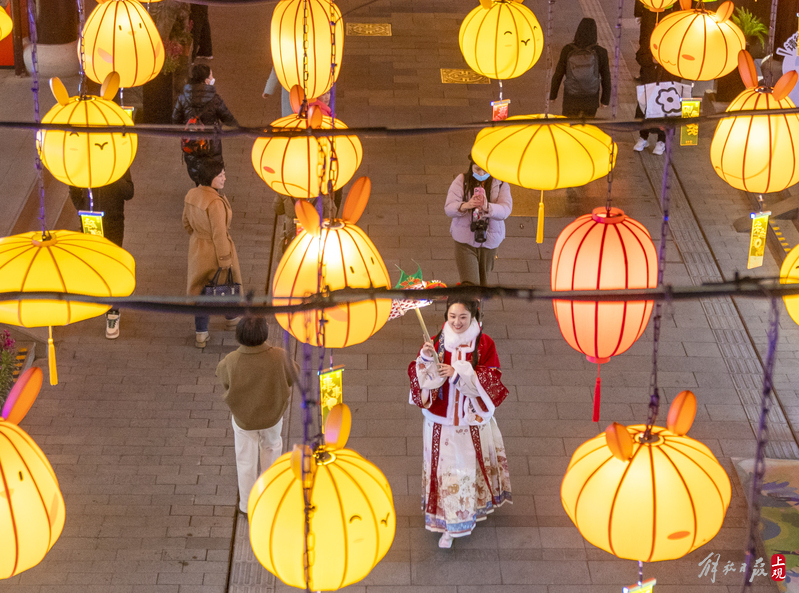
x=91 y=159
x=789 y=274
x=348 y=259
x=61 y=261
x=757 y=153
x=646 y=500
x=657 y=5
x=5 y=23
x=288 y=41
x=501 y=39
x=697 y=44
x=119 y=36
x=604 y=250
x=353 y=521
x=295 y=166
x=31 y=505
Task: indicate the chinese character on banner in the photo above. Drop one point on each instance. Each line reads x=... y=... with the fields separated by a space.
x=645 y=587
x=778 y=567
x=758 y=570
x=91 y=223
x=757 y=240
x=709 y=566
x=330 y=390
x=689 y=133
x=499 y=109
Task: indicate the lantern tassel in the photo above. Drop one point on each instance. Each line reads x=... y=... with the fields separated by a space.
x=597 y=395
x=539 y=234
x=51 y=359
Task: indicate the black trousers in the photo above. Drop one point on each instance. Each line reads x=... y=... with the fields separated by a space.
x=201 y=31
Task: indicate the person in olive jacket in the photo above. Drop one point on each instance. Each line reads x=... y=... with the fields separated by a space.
x=257 y=379
x=199 y=99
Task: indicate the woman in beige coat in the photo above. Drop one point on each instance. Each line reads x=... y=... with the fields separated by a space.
x=206 y=217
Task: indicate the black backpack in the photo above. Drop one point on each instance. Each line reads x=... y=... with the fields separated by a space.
x=582 y=72
x=198 y=147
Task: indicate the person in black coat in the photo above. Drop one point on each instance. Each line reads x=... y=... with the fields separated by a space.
x=587 y=75
x=200 y=99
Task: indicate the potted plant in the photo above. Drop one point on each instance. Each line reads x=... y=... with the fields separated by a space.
x=8 y=354
x=754 y=31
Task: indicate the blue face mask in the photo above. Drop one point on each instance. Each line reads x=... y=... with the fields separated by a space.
x=481 y=177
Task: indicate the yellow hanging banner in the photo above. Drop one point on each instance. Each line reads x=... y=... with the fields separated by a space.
x=91 y=223
x=331 y=390
x=757 y=240
x=689 y=133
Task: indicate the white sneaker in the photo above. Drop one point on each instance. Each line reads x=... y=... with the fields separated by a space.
x=641 y=144
x=201 y=339
x=445 y=541
x=659 y=149
x=112 y=326
x=232 y=323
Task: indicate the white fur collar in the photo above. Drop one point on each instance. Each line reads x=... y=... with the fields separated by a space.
x=452 y=340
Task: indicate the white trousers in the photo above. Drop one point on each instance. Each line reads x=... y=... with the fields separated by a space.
x=250 y=445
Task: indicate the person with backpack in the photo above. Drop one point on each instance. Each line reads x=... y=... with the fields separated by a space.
x=199 y=107
x=584 y=66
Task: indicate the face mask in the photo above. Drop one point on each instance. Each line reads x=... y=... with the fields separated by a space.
x=212 y=81
x=481 y=177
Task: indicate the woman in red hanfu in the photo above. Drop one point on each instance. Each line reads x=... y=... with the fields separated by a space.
x=465 y=473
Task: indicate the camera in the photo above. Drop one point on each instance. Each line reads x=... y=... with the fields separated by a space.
x=480 y=229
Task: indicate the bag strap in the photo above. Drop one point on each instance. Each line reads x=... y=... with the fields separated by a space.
x=229 y=281
x=215 y=279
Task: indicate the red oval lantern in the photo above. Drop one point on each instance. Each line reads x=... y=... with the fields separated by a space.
x=604 y=250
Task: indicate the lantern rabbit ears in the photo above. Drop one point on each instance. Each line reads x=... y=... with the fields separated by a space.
x=357 y=198
x=107 y=91
x=783 y=87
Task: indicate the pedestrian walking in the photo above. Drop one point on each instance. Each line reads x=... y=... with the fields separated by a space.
x=110 y=200
x=457 y=382
x=478 y=205
x=206 y=217
x=199 y=105
x=257 y=379
x=200 y=32
x=663 y=91
x=584 y=66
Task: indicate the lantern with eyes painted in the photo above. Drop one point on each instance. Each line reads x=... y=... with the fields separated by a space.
x=501 y=39
x=697 y=44
x=119 y=36
x=757 y=153
x=87 y=159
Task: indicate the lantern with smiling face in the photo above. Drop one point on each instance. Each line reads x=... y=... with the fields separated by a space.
x=87 y=159
x=501 y=39
x=697 y=44
x=119 y=36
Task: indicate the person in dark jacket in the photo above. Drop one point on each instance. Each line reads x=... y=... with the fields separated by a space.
x=200 y=99
x=201 y=32
x=110 y=200
x=585 y=66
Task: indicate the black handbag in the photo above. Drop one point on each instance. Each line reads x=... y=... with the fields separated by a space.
x=228 y=288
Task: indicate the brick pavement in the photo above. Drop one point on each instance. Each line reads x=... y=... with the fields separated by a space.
x=141 y=442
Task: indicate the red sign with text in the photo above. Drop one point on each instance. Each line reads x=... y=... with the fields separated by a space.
x=778 y=567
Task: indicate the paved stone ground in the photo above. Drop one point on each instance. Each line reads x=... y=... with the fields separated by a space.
x=141 y=441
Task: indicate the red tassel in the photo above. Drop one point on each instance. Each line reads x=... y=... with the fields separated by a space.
x=597 y=395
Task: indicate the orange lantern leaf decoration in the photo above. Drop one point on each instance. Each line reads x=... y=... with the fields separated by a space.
x=605 y=250
x=31 y=505
x=697 y=44
x=22 y=395
x=757 y=153
x=646 y=499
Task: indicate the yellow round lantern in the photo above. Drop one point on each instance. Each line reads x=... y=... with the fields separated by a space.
x=352 y=524
x=697 y=44
x=657 y=5
x=288 y=41
x=296 y=166
x=501 y=39
x=646 y=500
x=545 y=157
x=757 y=153
x=31 y=505
x=86 y=159
x=349 y=259
x=6 y=23
x=789 y=274
x=120 y=36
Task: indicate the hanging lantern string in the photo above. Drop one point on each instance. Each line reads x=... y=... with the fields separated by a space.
x=308 y=405
x=82 y=49
x=34 y=37
x=549 y=57
x=654 y=395
x=772 y=33
x=762 y=439
x=614 y=99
